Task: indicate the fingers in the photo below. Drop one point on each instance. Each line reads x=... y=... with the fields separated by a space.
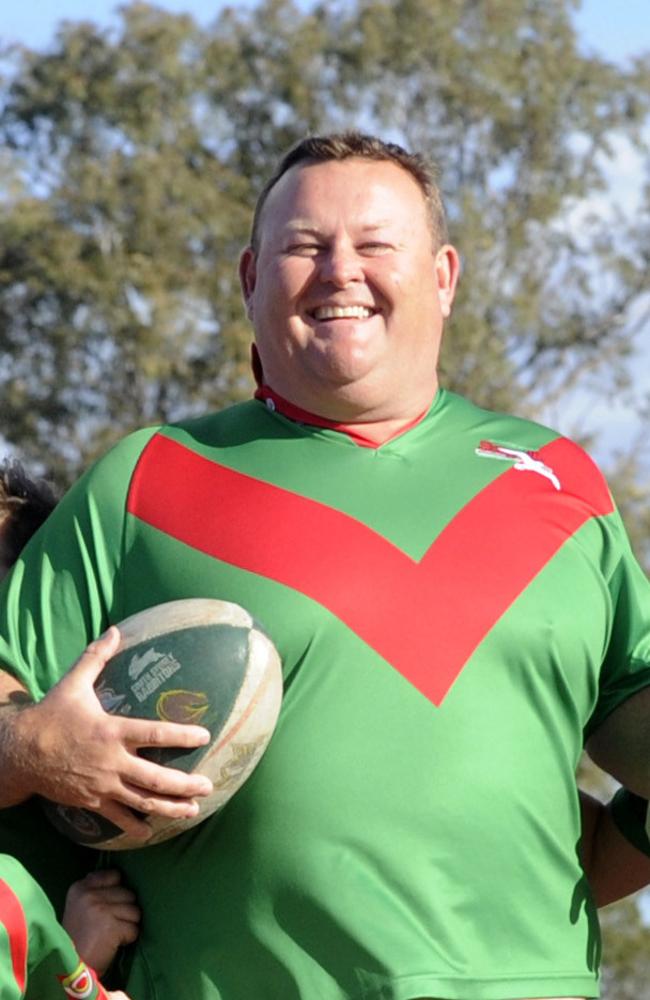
x=92 y=661
x=103 y=878
x=142 y=733
x=101 y=915
x=143 y=801
x=95 y=764
x=129 y=930
x=163 y=782
x=133 y=801
x=123 y=908
x=114 y=903
x=106 y=884
x=124 y=917
x=126 y=820
x=154 y=790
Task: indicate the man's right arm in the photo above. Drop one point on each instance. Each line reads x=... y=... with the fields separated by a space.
x=614 y=866
x=13 y=697
x=68 y=749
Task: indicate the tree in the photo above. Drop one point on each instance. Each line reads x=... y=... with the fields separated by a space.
x=135 y=157
x=115 y=269
x=630 y=481
x=519 y=120
x=625 y=948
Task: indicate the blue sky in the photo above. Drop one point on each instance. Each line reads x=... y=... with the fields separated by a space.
x=615 y=30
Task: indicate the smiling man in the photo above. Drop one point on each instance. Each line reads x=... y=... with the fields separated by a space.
x=455 y=603
x=348 y=286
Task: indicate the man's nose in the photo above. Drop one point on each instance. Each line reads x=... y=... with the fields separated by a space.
x=341 y=265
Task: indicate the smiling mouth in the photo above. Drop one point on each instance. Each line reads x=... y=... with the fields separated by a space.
x=342 y=312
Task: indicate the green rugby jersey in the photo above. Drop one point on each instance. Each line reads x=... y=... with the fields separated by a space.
x=38 y=961
x=454 y=609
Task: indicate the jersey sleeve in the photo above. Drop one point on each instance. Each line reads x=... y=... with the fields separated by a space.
x=40 y=959
x=626 y=663
x=62 y=593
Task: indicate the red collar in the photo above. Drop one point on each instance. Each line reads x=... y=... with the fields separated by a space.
x=276 y=402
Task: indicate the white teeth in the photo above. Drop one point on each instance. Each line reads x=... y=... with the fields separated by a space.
x=342 y=312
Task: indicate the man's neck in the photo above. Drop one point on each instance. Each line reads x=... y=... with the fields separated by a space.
x=368 y=434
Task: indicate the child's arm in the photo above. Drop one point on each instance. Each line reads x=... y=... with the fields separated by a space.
x=100 y=916
x=38 y=957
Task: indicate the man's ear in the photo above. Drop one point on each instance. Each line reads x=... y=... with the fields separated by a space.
x=447 y=267
x=247 y=278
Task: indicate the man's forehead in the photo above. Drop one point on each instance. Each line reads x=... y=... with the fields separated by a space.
x=307 y=224
x=291 y=201
x=357 y=169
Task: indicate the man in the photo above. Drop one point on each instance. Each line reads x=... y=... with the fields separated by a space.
x=411 y=831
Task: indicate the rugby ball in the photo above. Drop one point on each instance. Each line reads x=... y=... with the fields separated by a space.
x=196 y=661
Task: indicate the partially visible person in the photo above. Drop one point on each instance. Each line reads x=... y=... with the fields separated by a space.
x=24 y=504
x=25 y=833
x=100 y=914
x=40 y=959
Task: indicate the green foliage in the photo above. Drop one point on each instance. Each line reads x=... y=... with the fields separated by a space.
x=626 y=946
x=630 y=482
x=518 y=119
x=133 y=158
x=118 y=297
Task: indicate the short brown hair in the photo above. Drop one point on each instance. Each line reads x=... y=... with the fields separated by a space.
x=24 y=505
x=344 y=146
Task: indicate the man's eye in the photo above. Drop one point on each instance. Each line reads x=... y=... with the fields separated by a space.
x=373 y=249
x=304 y=249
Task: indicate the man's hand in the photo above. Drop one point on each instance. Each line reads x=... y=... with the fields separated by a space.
x=100 y=916
x=68 y=749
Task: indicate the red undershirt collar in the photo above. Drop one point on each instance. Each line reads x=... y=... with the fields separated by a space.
x=276 y=402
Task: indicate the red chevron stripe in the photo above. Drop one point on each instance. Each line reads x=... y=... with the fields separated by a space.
x=492 y=549
x=13 y=918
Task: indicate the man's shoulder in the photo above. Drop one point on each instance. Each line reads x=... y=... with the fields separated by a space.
x=527 y=444
x=508 y=428
x=221 y=425
x=124 y=455
x=113 y=469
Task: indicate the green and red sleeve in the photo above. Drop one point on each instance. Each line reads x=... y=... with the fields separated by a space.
x=39 y=959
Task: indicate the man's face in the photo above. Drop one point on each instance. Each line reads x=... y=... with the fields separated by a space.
x=347 y=292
